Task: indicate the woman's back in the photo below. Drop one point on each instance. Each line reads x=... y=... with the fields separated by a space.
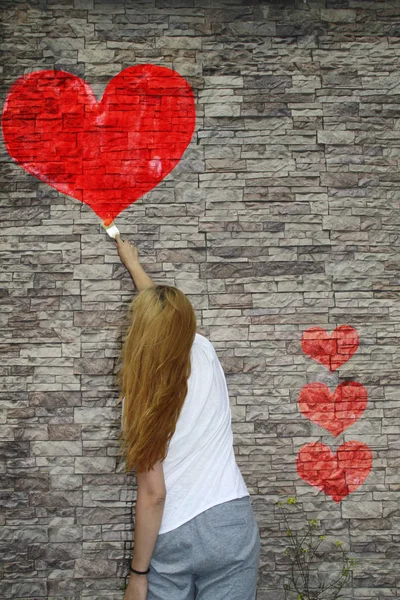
x=200 y=469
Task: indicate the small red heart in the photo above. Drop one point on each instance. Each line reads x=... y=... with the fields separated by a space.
x=337 y=475
x=334 y=412
x=332 y=350
x=106 y=154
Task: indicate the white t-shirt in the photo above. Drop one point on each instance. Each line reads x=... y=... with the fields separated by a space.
x=200 y=469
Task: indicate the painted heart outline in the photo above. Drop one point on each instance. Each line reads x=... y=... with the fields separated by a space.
x=334 y=412
x=339 y=474
x=331 y=350
x=106 y=154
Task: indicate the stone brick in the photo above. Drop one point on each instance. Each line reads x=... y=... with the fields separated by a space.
x=56 y=448
x=94 y=464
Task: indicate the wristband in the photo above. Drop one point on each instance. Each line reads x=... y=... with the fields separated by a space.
x=139 y=572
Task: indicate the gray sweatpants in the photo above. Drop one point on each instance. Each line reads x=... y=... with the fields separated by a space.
x=214 y=556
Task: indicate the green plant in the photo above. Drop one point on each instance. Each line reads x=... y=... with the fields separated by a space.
x=305 y=556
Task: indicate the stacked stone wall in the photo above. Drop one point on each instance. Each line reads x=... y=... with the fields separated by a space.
x=282 y=216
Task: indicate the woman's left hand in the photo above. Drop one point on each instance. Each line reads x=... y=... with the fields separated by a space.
x=137 y=587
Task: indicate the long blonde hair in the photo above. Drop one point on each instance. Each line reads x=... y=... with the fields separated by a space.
x=153 y=376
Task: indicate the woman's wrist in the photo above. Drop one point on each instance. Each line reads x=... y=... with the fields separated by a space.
x=140 y=569
x=137 y=566
x=133 y=265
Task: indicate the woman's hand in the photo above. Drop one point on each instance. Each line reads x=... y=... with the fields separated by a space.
x=127 y=252
x=137 y=587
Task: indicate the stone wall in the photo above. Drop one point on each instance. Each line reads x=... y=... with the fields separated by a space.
x=281 y=216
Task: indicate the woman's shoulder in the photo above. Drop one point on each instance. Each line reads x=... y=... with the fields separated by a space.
x=199 y=337
x=204 y=343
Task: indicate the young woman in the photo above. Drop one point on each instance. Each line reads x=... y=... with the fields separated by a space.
x=195 y=531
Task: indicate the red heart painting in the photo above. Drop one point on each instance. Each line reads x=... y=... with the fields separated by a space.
x=106 y=154
x=332 y=350
x=337 y=475
x=334 y=412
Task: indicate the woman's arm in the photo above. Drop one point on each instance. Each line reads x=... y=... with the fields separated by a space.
x=139 y=276
x=148 y=517
x=129 y=255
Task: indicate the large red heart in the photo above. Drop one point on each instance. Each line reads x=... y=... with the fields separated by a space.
x=108 y=153
x=334 y=412
x=330 y=350
x=337 y=475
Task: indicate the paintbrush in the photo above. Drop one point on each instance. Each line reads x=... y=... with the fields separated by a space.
x=111 y=229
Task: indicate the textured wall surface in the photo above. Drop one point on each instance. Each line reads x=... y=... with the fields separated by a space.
x=281 y=216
